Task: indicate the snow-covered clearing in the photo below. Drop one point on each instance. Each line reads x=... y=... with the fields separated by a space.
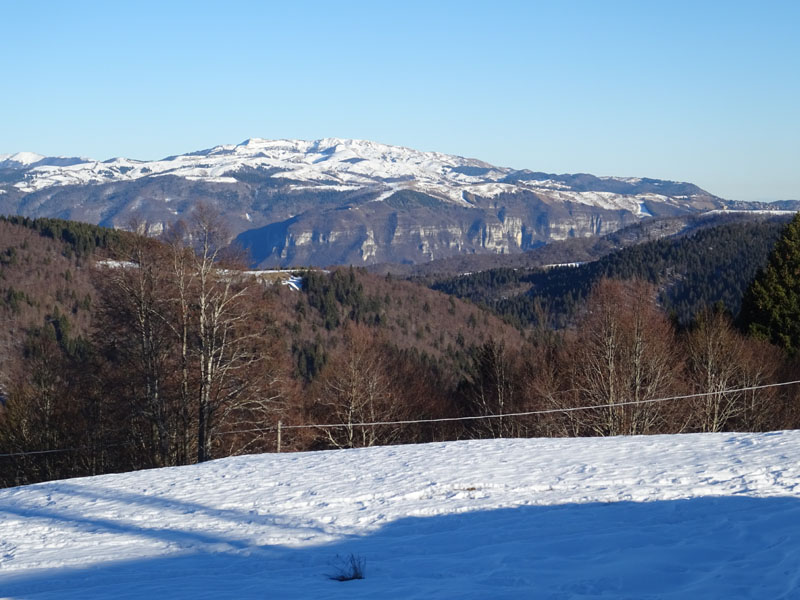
x=691 y=516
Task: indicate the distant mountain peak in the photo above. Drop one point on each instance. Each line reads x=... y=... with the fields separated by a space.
x=20 y=159
x=30 y=160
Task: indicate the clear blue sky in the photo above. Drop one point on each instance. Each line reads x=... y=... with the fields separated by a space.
x=707 y=92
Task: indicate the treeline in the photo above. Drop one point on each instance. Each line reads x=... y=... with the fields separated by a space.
x=711 y=266
x=82 y=239
x=187 y=358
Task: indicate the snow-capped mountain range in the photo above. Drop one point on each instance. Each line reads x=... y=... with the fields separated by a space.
x=338 y=200
x=332 y=164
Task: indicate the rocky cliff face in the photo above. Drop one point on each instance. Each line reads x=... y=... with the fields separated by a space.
x=343 y=201
x=378 y=232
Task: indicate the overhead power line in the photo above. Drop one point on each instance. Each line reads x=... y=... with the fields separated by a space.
x=62 y=450
x=451 y=419
x=543 y=411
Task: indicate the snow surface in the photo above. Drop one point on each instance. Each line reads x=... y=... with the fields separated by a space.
x=330 y=164
x=566 y=264
x=294 y=283
x=116 y=264
x=729 y=211
x=691 y=516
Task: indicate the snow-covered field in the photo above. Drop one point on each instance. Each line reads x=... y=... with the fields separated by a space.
x=691 y=516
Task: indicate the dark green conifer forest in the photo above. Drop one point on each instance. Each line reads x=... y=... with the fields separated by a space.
x=712 y=266
x=771 y=304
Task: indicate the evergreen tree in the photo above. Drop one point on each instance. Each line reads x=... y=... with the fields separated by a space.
x=771 y=305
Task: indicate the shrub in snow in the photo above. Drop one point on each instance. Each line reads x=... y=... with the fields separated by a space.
x=349 y=568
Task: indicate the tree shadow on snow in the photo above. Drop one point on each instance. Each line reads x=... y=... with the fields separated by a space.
x=716 y=547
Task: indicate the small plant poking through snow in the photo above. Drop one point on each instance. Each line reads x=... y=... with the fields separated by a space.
x=349 y=568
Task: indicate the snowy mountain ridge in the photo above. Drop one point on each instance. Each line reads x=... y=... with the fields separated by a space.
x=32 y=160
x=344 y=201
x=332 y=164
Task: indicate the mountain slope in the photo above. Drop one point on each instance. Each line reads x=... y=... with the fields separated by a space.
x=347 y=165
x=685 y=516
x=700 y=268
x=344 y=201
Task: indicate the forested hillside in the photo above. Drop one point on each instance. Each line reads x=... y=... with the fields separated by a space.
x=46 y=295
x=577 y=249
x=709 y=267
x=172 y=353
x=162 y=356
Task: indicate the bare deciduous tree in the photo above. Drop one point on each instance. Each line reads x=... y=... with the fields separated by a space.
x=131 y=325
x=229 y=338
x=188 y=327
x=719 y=360
x=491 y=391
x=625 y=356
x=355 y=387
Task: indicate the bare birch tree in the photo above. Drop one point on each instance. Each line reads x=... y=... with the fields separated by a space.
x=228 y=339
x=193 y=336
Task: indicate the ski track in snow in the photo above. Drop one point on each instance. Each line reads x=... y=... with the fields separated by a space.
x=689 y=516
